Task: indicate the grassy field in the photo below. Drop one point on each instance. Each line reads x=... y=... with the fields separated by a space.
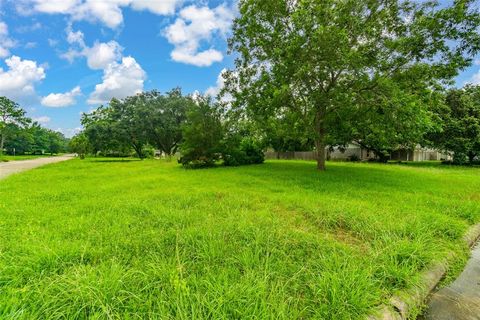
x=107 y=239
x=7 y=158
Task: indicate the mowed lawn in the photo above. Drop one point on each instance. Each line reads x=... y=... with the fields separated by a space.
x=22 y=157
x=110 y=239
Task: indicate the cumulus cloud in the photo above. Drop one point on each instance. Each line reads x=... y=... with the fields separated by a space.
x=119 y=80
x=194 y=26
x=215 y=90
x=69 y=132
x=6 y=43
x=20 y=78
x=42 y=119
x=99 y=56
x=107 y=12
x=102 y=54
x=475 y=79
x=58 y=100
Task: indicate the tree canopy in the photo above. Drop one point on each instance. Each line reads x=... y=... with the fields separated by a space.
x=341 y=65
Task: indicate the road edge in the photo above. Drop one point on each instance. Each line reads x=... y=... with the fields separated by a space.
x=401 y=305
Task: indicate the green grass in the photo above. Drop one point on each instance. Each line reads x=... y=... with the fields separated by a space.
x=6 y=158
x=106 y=239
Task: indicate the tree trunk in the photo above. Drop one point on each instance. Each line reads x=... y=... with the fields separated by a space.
x=320 y=146
x=2 y=143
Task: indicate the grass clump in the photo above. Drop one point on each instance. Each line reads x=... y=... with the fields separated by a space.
x=106 y=239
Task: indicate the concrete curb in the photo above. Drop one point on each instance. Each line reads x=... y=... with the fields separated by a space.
x=401 y=305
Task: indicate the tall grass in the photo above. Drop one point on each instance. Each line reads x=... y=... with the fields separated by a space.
x=149 y=240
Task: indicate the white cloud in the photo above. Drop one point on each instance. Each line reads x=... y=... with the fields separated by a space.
x=54 y=6
x=69 y=132
x=163 y=7
x=75 y=36
x=6 y=43
x=29 y=28
x=119 y=80
x=107 y=12
x=20 y=78
x=52 y=42
x=42 y=119
x=30 y=45
x=58 y=100
x=475 y=79
x=102 y=54
x=194 y=26
x=214 y=91
x=99 y=56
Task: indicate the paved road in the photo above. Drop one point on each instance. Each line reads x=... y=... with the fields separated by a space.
x=461 y=299
x=11 y=167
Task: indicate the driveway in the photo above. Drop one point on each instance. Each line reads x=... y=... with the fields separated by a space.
x=11 y=167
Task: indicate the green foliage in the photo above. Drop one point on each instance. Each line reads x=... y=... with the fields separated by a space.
x=146 y=118
x=237 y=152
x=254 y=242
x=460 y=119
x=165 y=118
x=326 y=62
x=11 y=118
x=202 y=134
x=19 y=135
x=80 y=145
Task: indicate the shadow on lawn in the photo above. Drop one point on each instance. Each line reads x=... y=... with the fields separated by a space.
x=114 y=160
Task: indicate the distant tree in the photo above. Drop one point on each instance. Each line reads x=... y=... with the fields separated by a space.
x=331 y=59
x=166 y=114
x=21 y=140
x=99 y=128
x=460 y=118
x=385 y=127
x=202 y=134
x=56 y=142
x=10 y=113
x=79 y=144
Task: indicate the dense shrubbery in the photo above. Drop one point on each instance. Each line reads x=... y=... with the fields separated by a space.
x=207 y=140
x=243 y=153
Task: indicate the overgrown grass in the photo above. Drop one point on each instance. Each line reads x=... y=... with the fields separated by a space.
x=114 y=239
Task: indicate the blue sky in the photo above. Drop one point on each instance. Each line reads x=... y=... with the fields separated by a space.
x=63 y=57
x=59 y=58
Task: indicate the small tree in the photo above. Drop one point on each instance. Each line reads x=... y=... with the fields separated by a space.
x=202 y=134
x=79 y=144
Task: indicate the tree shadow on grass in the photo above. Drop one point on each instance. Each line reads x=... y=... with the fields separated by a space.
x=115 y=160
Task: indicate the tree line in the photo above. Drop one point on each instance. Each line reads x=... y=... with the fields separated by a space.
x=196 y=126
x=20 y=135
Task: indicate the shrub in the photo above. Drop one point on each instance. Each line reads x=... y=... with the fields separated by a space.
x=244 y=152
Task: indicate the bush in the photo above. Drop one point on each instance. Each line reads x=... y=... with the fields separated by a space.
x=242 y=153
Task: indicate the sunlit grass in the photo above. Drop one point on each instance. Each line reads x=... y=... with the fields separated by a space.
x=6 y=158
x=106 y=239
